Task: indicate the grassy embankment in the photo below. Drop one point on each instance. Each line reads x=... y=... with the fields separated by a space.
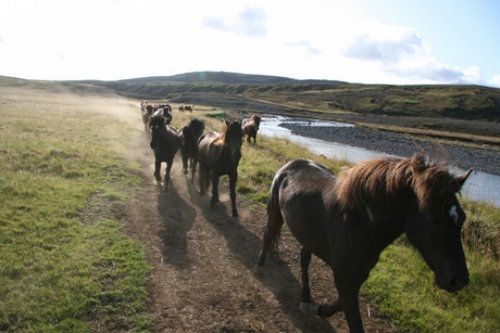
x=401 y=285
x=65 y=263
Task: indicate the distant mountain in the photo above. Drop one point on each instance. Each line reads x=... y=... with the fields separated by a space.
x=216 y=77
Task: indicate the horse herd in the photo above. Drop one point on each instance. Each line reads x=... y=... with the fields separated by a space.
x=346 y=220
x=217 y=153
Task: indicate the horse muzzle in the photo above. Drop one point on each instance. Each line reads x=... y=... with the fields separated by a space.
x=452 y=282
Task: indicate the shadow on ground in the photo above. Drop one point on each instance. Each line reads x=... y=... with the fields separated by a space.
x=275 y=276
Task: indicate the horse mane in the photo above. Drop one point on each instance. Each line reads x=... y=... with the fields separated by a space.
x=196 y=124
x=387 y=181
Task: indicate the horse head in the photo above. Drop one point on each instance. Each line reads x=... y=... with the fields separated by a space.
x=256 y=120
x=233 y=138
x=157 y=125
x=435 y=226
x=196 y=127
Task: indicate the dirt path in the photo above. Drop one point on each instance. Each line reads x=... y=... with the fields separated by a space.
x=203 y=277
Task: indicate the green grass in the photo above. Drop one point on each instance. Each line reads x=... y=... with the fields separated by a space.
x=403 y=287
x=58 y=271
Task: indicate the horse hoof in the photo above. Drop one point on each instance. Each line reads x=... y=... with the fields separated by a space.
x=308 y=308
x=258 y=269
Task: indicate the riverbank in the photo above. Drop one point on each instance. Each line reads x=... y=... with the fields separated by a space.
x=486 y=159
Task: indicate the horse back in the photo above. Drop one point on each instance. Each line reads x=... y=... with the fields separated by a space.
x=169 y=143
x=207 y=147
x=301 y=201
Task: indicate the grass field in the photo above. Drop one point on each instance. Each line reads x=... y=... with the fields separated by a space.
x=65 y=263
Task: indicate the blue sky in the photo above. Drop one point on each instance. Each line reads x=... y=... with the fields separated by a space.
x=461 y=32
x=401 y=42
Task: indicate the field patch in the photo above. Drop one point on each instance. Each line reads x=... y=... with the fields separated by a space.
x=60 y=269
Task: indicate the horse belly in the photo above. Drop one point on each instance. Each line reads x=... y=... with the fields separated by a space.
x=305 y=216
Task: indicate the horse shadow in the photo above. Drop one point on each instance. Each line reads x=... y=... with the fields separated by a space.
x=177 y=219
x=276 y=276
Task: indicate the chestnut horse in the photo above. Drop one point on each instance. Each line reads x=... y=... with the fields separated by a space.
x=250 y=127
x=219 y=154
x=188 y=140
x=348 y=221
x=164 y=143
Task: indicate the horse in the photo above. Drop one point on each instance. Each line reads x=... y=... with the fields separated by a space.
x=164 y=142
x=188 y=140
x=147 y=112
x=250 y=127
x=188 y=108
x=348 y=221
x=162 y=112
x=219 y=154
x=181 y=108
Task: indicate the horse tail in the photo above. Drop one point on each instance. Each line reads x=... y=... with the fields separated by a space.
x=274 y=216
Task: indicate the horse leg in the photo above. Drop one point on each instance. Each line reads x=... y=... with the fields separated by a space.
x=184 y=163
x=167 y=172
x=202 y=178
x=157 y=169
x=194 y=162
x=215 y=190
x=306 y=304
x=232 y=192
x=328 y=310
x=350 y=304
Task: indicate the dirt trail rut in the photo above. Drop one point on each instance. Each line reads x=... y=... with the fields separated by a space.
x=203 y=277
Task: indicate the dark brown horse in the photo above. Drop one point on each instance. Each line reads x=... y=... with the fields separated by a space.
x=250 y=127
x=188 y=140
x=165 y=143
x=219 y=154
x=348 y=221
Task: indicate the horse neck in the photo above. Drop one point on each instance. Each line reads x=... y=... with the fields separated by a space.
x=383 y=200
x=227 y=146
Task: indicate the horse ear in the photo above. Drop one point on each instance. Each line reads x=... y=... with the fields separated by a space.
x=459 y=181
x=417 y=163
x=227 y=122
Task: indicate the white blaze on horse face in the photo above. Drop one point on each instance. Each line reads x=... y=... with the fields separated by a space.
x=454 y=213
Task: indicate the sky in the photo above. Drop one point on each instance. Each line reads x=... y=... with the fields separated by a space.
x=384 y=41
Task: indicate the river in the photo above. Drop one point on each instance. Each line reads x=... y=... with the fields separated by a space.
x=480 y=186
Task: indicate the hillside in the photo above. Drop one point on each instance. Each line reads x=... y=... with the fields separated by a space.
x=447 y=108
x=328 y=97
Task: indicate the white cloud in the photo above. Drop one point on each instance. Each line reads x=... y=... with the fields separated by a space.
x=402 y=52
x=367 y=47
x=250 y=22
x=495 y=80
